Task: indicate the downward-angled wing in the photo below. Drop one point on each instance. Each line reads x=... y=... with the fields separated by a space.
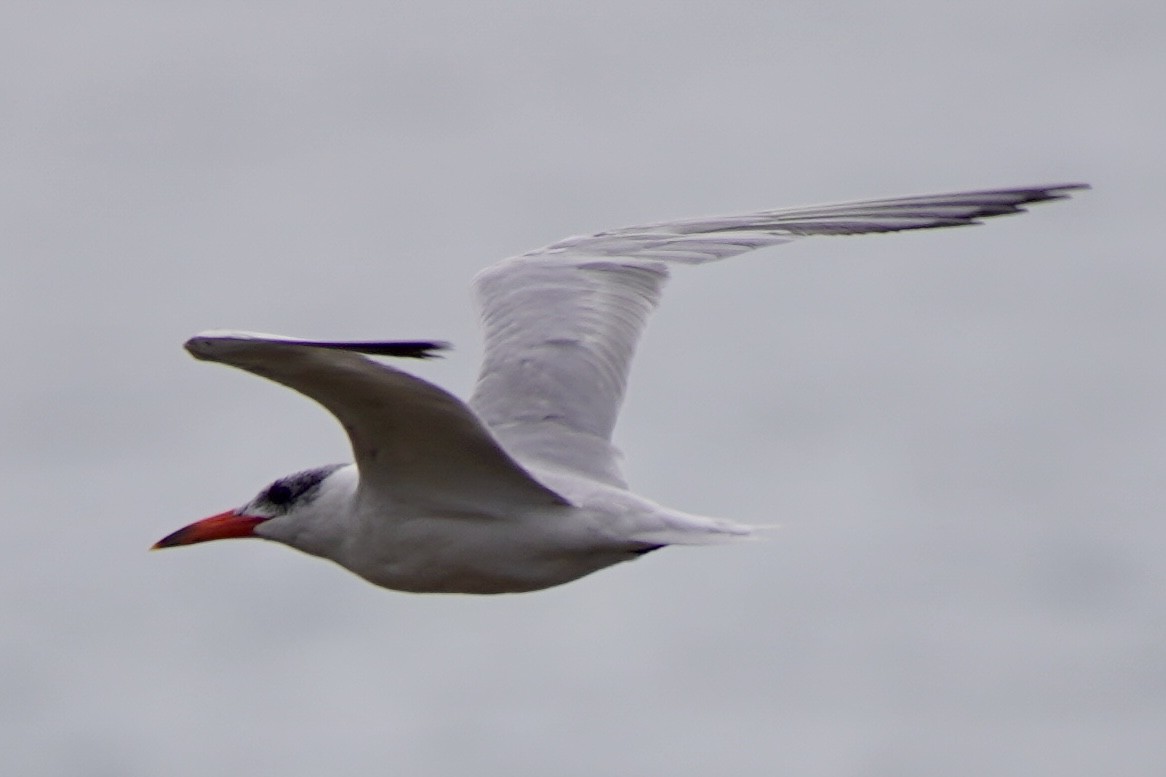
x=409 y=349
x=414 y=443
x=562 y=322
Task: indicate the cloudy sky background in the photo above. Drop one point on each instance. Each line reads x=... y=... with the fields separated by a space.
x=962 y=432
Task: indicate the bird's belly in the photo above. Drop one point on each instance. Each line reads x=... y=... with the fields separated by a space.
x=481 y=556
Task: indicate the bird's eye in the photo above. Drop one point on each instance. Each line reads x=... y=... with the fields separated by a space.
x=279 y=494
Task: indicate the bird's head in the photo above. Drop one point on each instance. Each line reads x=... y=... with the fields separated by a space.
x=301 y=510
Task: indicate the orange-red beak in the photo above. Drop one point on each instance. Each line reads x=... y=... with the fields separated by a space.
x=218 y=527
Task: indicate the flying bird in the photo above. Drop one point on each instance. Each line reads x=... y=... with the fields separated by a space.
x=520 y=488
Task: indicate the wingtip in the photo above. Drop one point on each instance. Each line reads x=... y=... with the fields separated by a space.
x=407 y=349
x=1059 y=191
x=209 y=344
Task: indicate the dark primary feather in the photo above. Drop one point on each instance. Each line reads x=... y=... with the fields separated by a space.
x=923 y=212
x=409 y=349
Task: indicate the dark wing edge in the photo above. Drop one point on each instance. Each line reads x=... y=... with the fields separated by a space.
x=933 y=211
x=405 y=349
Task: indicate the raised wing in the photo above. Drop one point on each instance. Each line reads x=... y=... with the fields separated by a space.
x=561 y=323
x=414 y=442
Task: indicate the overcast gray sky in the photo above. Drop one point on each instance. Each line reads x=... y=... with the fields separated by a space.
x=962 y=432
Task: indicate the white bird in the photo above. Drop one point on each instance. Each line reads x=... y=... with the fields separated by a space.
x=521 y=488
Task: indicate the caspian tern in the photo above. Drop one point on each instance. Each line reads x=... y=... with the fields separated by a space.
x=520 y=488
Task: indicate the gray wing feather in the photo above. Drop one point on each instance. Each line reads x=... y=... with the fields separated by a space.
x=559 y=339
x=562 y=322
x=413 y=442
